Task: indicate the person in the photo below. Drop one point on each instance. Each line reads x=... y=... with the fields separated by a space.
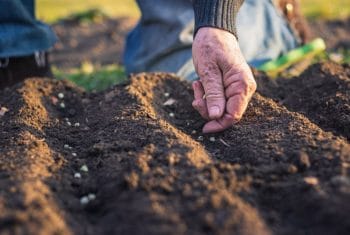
x=198 y=40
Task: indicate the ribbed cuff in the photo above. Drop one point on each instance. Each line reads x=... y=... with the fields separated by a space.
x=216 y=13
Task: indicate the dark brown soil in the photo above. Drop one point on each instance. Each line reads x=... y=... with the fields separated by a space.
x=97 y=42
x=276 y=172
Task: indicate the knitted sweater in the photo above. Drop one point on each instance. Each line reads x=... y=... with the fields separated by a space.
x=216 y=13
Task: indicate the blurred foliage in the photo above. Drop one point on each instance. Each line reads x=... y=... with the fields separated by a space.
x=93 y=77
x=50 y=11
x=325 y=9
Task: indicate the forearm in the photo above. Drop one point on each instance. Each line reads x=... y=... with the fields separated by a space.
x=216 y=13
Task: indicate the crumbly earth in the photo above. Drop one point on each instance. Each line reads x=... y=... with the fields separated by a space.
x=284 y=169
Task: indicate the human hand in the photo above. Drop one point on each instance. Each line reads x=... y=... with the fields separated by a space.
x=226 y=82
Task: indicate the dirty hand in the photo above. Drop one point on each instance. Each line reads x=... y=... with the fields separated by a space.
x=226 y=82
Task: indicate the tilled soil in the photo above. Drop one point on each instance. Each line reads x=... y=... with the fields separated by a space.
x=284 y=169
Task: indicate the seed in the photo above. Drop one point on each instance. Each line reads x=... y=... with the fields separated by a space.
x=62 y=105
x=171 y=114
x=77 y=175
x=84 y=168
x=66 y=146
x=212 y=139
x=311 y=180
x=91 y=196
x=60 y=95
x=74 y=154
x=169 y=102
x=69 y=123
x=200 y=138
x=84 y=200
x=194 y=132
x=166 y=94
x=77 y=124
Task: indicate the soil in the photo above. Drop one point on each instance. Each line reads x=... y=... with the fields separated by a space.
x=284 y=169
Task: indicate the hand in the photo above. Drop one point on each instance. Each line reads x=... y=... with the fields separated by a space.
x=226 y=82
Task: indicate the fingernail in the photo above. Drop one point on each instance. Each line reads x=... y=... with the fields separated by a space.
x=214 y=111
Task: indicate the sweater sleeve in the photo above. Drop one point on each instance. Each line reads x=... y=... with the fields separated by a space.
x=216 y=13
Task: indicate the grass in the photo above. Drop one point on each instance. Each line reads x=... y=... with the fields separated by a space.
x=326 y=9
x=92 y=77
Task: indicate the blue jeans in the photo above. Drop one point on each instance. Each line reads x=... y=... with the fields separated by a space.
x=20 y=33
x=163 y=38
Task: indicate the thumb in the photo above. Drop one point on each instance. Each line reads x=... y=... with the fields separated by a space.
x=214 y=93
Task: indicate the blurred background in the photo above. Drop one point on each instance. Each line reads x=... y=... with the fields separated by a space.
x=91 y=35
x=50 y=11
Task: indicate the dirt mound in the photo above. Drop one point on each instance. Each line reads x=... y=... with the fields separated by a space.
x=132 y=160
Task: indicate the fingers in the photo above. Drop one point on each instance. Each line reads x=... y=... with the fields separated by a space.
x=219 y=125
x=199 y=103
x=211 y=79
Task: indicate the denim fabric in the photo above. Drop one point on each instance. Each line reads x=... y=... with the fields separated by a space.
x=163 y=38
x=20 y=33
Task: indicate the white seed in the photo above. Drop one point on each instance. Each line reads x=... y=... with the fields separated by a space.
x=69 y=123
x=3 y=110
x=84 y=168
x=166 y=94
x=77 y=124
x=194 y=132
x=66 y=119
x=311 y=180
x=91 y=196
x=84 y=200
x=60 y=95
x=77 y=175
x=70 y=147
x=66 y=146
x=200 y=138
x=212 y=139
x=169 y=102
x=74 y=154
x=171 y=114
x=62 y=105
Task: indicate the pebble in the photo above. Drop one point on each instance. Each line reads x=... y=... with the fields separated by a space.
x=212 y=139
x=84 y=200
x=60 y=95
x=77 y=175
x=171 y=114
x=84 y=168
x=74 y=154
x=77 y=124
x=62 y=105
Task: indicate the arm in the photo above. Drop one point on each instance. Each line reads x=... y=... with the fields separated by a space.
x=226 y=82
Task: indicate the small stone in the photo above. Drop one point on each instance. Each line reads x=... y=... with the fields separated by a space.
x=172 y=115
x=66 y=146
x=166 y=94
x=311 y=180
x=84 y=200
x=74 y=154
x=77 y=124
x=60 y=95
x=69 y=123
x=84 y=168
x=62 y=105
x=200 y=138
x=212 y=139
x=77 y=175
x=91 y=196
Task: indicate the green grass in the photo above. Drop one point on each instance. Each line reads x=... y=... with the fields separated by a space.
x=50 y=11
x=326 y=9
x=92 y=77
